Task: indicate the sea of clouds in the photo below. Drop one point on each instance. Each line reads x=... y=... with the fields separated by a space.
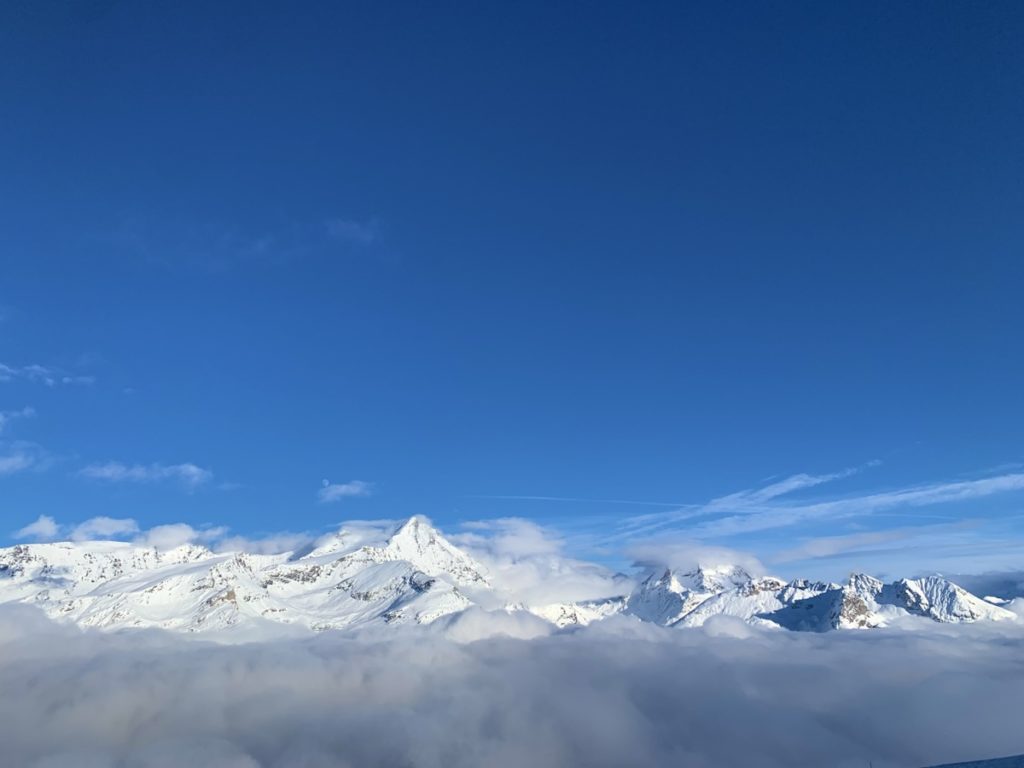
x=498 y=689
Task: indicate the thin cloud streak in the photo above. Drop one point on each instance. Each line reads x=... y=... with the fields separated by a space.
x=761 y=509
x=578 y=500
x=740 y=500
x=41 y=374
x=190 y=475
x=830 y=546
x=768 y=517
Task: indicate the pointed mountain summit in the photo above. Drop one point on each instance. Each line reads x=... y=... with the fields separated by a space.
x=417 y=542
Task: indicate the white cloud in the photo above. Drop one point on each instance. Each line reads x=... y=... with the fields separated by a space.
x=331 y=492
x=758 y=518
x=14 y=462
x=830 y=546
x=176 y=534
x=753 y=497
x=738 y=503
x=352 y=231
x=527 y=562
x=766 y=508
x=475 y=624
x=686 y=555
x=578 y=500
x=41 y=374
x=19 y=456
x=45 y=528
x=826 y=546
x=77 y=379
x=119 y=528
x=103 y=528
x=514 y=537
x=271 y=544
x=612 y=695
x=6 y=417
x=188 y=474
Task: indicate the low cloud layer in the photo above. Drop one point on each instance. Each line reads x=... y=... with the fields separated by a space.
x=615 y=694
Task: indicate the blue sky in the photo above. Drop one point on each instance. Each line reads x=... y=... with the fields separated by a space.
x=458 y=251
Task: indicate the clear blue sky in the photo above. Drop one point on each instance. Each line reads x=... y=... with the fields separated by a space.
x=642 y=252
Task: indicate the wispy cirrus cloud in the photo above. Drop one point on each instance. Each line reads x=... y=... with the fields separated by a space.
x=19 y=456
x=6 y=417
x=332 y=492
x=41 y=374
x=188 y=474
x=219 y=245
x=758 y=496
x=14 y=462
x=577 y=500
x=738 y=503
x=352 y=230
x=759 y=517
x=830 y=546
x=767 y=507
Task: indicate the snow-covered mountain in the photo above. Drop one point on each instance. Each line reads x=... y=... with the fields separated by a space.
x=690 y=599
x=667 y=597
x=410 y=573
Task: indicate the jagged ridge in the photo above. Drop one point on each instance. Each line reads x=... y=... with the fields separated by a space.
x=410 y=573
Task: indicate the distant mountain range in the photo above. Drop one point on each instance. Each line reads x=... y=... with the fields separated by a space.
x=410 y=573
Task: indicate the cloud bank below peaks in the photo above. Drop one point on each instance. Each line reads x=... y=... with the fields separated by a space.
x=616 y=694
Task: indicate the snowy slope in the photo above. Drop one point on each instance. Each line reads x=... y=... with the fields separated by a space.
x=412 y=575
x=368 y=574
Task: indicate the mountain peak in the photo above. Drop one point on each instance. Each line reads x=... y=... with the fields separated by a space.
x=862 y=583
x=666 y=596
x=416 y=528
x=419 y=543
x=715 y=578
